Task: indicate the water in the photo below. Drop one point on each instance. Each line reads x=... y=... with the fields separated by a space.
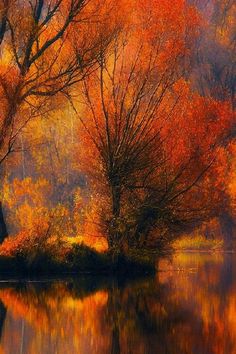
x=188 y=308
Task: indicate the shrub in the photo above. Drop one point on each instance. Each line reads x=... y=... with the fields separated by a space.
x=82 y=257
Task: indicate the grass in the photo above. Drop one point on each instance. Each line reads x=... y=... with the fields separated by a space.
x=198 y=242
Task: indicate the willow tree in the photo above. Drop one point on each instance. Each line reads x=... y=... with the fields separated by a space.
x=148 y=142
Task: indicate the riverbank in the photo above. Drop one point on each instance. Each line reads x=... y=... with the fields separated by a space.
x=81 y=260
x=205 y=251
x=76 y=259
x=198 y=243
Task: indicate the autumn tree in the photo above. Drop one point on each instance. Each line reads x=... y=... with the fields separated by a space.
x=150 y=143
x=46 y=48
x=213 y=75
x=47 y=145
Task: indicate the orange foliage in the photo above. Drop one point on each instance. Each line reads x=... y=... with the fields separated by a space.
x=125 y=69
x=192 y=131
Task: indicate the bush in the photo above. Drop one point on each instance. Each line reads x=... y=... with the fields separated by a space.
x=34 y=254
x=83 y=258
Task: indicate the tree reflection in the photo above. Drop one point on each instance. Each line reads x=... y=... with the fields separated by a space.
x=3 y=312
x=187 y=311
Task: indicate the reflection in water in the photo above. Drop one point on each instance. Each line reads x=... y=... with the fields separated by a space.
x=189 y=308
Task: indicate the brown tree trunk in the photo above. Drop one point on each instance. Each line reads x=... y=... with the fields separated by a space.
x=3 y=227
x=114 y=233
x=116 y=195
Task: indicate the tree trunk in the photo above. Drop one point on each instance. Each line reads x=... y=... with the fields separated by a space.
x=116 y=194
x=114 y=233
x=3 y=227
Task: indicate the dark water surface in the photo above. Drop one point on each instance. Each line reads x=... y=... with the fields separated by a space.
x=189 y=307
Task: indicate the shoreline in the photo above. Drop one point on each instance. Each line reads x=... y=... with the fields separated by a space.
x=203 y=251
x=96 y=265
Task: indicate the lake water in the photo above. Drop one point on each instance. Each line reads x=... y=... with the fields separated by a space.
x=189 y=307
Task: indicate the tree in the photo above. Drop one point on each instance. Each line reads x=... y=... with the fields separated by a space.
x=150 y=143
x=35 y=64
x=47 y=47
x=213 y=75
